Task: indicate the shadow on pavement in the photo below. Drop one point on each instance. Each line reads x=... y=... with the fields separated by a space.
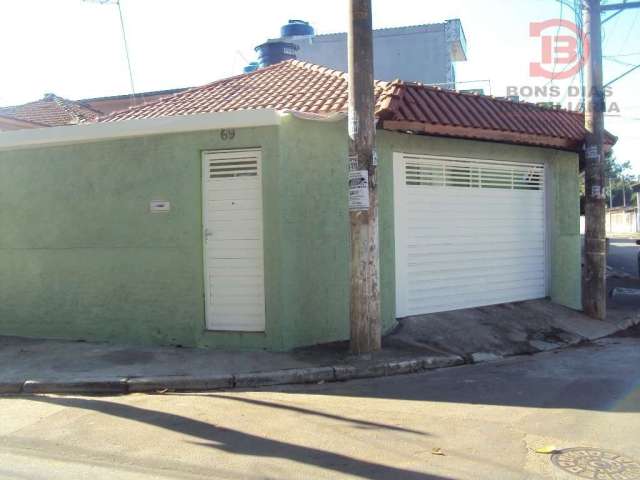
x=305 y=411
x=590 y=377
x=236 y=442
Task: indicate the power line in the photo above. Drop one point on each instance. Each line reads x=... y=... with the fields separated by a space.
x=635 y=19
x=124 y=41
x=618 y=6
x=622 y=55
x=619 y=62
x=126 y=50
x=634 y=68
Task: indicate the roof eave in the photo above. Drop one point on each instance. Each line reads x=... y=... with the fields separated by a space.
x=18 y=122
x=90 y=132
x=483 y=134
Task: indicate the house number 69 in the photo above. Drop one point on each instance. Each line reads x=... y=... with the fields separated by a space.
x=227 y=134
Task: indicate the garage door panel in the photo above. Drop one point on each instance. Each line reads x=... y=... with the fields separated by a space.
x=420 y=298
x=511 y=250
x=458 y=302
x=447 y=198
x=478 y=224
x=468 y=233
x=451 y=279
x=509 y=238
x=472 y=285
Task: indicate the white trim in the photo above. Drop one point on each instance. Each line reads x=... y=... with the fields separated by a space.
x=471 y=159
x=549 y=197
x=399 y=221
x=91 y=132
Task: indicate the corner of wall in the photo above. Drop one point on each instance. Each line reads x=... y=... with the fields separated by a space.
x=564 y=230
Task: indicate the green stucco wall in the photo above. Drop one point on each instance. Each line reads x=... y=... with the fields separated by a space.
x=563 y=199
x=81 y=257
x=315 y=231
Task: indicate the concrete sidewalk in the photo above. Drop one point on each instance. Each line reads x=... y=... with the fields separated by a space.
x=419 y=343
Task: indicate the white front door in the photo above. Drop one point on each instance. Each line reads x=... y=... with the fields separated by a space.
x=233 y=248
x=468 y=232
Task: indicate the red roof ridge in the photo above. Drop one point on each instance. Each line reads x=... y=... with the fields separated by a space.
x=187 y=91
x=68 y=107
x=389 y=99
x=492 y=97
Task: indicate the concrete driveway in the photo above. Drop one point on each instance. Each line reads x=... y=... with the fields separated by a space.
x=485 y=419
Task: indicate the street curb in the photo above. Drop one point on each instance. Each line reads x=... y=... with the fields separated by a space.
x=174 y=383
x=9 y=388
x=294 y=376
x=284 y=377
x=336 y=373
x=113 y=386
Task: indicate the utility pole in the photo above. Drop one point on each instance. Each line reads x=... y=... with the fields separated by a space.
x=363 y=197
x=594 y=300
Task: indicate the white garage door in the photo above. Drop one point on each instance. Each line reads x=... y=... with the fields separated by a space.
x=468 y=233
x=234 y=266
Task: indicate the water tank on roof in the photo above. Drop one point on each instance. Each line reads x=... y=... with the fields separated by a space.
x=297 y=28
x=273 y=52
x=252 y=67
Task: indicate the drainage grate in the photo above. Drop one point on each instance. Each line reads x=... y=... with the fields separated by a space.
x=597 y=464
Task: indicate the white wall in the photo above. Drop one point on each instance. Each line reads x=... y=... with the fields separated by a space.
x=619 y=221
x=418 y=54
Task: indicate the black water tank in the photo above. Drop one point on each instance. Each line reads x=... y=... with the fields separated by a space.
x=275 y=52
x=296 y=28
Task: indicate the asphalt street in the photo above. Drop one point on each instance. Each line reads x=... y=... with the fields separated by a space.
x=623 y=256
x=474 y=422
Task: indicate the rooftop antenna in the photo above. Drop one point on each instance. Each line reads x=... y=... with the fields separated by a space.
x=124 y=40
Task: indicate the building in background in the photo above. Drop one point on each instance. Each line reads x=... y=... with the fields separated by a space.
x=421 y=53
x=622 y=220
x=54 y=111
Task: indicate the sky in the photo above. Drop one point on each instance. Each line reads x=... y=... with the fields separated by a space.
x=74 y=48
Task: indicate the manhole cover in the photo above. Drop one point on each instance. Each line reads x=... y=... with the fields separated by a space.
x=596 y=464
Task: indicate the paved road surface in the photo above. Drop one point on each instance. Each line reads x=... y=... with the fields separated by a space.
x=623 y=255
x=487 y=419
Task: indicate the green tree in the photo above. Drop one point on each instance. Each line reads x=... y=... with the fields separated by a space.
x=619 y=179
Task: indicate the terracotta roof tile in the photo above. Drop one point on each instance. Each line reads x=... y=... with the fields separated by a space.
x=51 y=111
x=291 y=85
x=303 y=87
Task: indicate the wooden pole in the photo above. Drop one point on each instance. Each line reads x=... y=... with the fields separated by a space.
x=595 y=286
x=363 y=198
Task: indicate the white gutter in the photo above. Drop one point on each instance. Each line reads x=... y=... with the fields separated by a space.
x=93 y=132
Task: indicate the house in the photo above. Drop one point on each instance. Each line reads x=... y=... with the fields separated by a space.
x=217 y=217
x=53 y=110
x=420 y=53
x=50 y=111
x=621 y=220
